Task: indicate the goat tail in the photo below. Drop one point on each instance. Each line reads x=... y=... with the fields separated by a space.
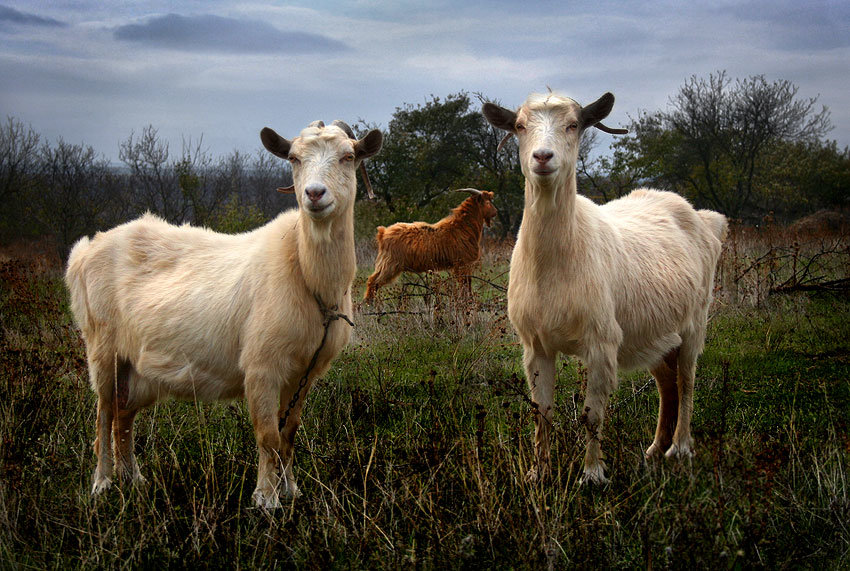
x=76 y=282
x=716 y=222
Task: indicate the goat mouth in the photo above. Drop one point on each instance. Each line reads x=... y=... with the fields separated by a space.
x=543 y=171
x=319 y=210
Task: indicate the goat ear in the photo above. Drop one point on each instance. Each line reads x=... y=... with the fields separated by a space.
x=499 y=117
x=274 y=143
x=597 y=111
x=369 y=145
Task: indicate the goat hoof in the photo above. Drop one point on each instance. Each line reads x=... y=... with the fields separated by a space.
x=101 y=484
x=537 y=474
x=266 y=500
x=654 y=451
x=132 y=475
x=290 y=490
x=594 y=476
x=679 y=452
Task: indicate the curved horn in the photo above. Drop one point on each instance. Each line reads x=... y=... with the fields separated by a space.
x=286 y=189
x=609 y=130
x=344 y=126
x=317 y=124
x=366 y=183
x=504 y=140
x=474 y=191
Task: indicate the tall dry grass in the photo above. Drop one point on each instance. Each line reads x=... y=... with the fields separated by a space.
x=415 y=446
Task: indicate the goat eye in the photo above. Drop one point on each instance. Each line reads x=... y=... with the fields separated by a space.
x=348 y=157
x=572 y=127
x=294 y=160
x=520 y=127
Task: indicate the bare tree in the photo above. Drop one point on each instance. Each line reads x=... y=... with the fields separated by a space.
x=264 y=176
x=152 y=179
x=75 y=194
x=727 y=129
x=18 y=162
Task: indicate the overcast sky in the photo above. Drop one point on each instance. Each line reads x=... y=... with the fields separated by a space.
x=91 y=71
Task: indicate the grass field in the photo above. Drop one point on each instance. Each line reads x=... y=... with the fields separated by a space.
x=415 y=446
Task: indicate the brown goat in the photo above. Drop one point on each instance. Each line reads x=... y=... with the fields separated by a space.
x=453 y=243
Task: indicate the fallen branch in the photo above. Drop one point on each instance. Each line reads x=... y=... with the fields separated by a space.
x=841 y=285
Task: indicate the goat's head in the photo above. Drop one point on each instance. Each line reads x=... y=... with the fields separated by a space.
x=548 y=127
x=484 y=199
x=324 y=163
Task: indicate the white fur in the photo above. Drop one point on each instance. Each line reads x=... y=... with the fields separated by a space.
x=620 y=286
x=200 y=315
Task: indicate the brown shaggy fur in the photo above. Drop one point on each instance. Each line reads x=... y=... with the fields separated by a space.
x=453 y=244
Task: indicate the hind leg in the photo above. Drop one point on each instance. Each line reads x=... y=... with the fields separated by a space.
x=463 y=275
x=126 y=467
x=682 y=445
x=665 y=374
x=101 y=378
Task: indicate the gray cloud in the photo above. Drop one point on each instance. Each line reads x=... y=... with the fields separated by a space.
x=814 y=25
x=10 y=15
x=90 y=82
x=219 y=34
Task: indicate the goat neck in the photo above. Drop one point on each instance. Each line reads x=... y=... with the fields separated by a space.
x=549 y=221
x=467 y=218
x=326 y=254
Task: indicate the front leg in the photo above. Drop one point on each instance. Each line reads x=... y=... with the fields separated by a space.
x=290 y=421
x=540 y=374
x=463 y=275
x=601 y=382
x=262 y=396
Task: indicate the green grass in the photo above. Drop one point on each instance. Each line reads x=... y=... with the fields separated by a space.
x=415 y=446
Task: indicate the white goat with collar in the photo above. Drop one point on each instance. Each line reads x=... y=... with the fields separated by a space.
x=625 y=285
x=186 y=312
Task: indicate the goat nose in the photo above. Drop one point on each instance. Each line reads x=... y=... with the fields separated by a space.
x=542 y=156
x=315 y=191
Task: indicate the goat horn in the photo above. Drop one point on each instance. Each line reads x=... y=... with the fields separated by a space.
x=286 y=189
x=474 y=191
x=366 y=182
x=609 y=130
x=503 y=141
x=348 y=131
x=344 y=126
x=317 y=124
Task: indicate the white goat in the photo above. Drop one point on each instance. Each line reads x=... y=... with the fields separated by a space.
x=189 y=313
x=625 y=285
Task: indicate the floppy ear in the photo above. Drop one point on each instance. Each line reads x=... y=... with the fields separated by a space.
x=369 y=145
x=597 y=111
x=274 y=143
x=499 y=117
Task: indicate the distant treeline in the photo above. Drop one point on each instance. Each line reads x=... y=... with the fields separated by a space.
x=747 y=148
